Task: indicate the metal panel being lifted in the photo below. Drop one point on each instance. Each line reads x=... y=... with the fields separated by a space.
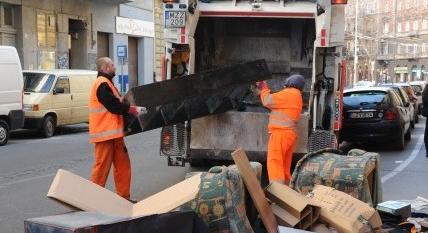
x=193 y=96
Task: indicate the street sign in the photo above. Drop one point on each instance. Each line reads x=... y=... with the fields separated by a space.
x=122 y=51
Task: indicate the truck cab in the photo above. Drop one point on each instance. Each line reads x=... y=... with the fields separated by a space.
x=304 y=37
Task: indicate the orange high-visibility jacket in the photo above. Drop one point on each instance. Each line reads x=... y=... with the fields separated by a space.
x=285 y=106
x=103 y=125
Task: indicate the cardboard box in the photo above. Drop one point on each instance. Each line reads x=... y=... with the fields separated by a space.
x=255 y=190
x=396 y=208
x=75 y=191
x=291 y=208
x=344 y=212
x=87 y=222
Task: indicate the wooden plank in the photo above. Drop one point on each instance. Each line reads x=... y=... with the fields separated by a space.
x=255 y=190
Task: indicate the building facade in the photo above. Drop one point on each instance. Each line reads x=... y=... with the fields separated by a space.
x=52 y=34
x=403 y=52
x=395 y=35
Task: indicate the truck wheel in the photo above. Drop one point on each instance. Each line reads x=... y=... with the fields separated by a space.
x=4 y=132
x=48 y=127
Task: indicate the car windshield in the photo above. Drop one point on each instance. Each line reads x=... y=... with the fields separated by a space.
x=362 y=98
x=38 y=82
x=417 y=88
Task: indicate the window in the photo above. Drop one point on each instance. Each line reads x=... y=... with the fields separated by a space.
x=400 y=5
x=386 y=28
x=7 y=15
x=425 y=4
x=64 y=84
x=383 y=48
x=415 y=25
x=425 y=24
x=423 y=47
x=408 y=4
x=407 y=26
x=399 y=27
x=46 y=30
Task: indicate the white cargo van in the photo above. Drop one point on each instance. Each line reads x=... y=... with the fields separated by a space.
x=56 y=98
x=11 y=113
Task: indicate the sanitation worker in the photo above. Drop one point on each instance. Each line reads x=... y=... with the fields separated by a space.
x=106 y=129
x=286 y=106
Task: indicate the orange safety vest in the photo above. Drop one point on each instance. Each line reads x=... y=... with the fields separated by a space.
x=285 y=106
x=103 y=125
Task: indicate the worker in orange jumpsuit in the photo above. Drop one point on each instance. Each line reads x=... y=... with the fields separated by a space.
x=286 y=106
x=106 y=129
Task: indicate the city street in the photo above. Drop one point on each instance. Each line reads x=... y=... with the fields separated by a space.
x=28 y=164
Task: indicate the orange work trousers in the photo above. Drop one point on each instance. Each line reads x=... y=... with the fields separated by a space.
x=280 y=154
x=112 y=152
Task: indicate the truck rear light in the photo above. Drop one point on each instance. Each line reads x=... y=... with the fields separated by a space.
x=390 y=115
x=337 y=2
x=170 y=1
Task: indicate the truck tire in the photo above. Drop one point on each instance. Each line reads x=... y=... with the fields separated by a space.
x=4 y=132
x=48 y=126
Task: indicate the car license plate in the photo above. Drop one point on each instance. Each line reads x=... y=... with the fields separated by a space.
x=359 y=115
x=175 y=19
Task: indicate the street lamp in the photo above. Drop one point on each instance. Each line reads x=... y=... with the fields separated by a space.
x=356 y=43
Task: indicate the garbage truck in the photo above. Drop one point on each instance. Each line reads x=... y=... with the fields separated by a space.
x=293 y=37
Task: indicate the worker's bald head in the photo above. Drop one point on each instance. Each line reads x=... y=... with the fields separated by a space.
x=106 y=65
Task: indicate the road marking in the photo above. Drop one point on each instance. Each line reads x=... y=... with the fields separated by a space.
x=399 y=161
x=25 y=180
x=406 y=163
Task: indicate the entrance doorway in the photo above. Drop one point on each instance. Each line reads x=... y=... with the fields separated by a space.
x=103 y=44
x=77 y=44
x=133 y=61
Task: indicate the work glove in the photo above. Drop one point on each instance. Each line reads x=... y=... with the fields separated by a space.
x=137 y=110
x=262 y=85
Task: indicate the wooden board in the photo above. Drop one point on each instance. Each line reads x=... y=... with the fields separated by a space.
x=255 y=190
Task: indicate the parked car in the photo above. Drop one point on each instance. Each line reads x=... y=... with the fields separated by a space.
x=55 y=98
x=402 y=90
x=11 y=113
x=375 y=114
x=363 y=83
x=418 y=87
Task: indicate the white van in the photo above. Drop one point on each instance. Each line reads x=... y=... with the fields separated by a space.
x=55 y=98
x=11 y=113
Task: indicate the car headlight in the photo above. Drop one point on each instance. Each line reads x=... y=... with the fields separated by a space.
x=31 y=107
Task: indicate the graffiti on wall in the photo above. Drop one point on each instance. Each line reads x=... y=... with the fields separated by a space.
x=63 y=62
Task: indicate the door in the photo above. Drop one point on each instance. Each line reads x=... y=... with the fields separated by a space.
x=103 y=43
x=62 y=100
x=133 y=61
x=80 y=87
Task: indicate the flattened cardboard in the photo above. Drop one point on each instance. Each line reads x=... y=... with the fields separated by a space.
x=73 y=190
x=296 y=209
x=342 y=211
x=255 y=190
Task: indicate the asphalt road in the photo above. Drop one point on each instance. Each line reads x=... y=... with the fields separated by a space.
x=28 y=164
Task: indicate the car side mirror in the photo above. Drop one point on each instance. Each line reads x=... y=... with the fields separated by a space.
x=58 y=90
x=407 y=104
x=418 y=93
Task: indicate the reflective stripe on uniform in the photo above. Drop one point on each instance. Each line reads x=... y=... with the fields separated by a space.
x=106 y=133
x=287 y=124
x=267 y=100
x=281 y=119
x=97 y=110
